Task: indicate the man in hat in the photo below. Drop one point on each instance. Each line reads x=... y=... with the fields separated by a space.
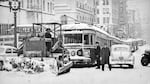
x=97 y=53
x=48 y=42
x=105 y=53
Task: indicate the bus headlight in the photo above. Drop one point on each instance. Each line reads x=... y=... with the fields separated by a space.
x=73 y=53
x=80 y=52
x=87 y=53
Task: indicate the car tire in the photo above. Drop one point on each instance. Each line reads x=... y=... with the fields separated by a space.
x=1 y=66
x=144 y=61
x=131 y=66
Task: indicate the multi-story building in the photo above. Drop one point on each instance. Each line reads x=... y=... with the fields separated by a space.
x=108 y=16
x=131 y=23
x=134 y=25
x=80 y=11
x=123 y=29
x=32 y=11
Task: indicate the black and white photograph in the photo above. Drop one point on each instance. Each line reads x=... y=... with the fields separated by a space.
x=74 y=42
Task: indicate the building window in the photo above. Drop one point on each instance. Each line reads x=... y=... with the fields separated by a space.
x=105 y=2
x=80 y=5
x=107 y=19
x=48 y=6
x=97 y=11
x=28 y=3
x=22 y=4
x=4 y=29
x=37 y=5
x=104 y=20
x=105 y=10
x=77 y=3
x=51 y=7
x=97 y=2
x=121 y=10
x=98 y=20
x=43 y=5
x=31 y=2
x=77 y=17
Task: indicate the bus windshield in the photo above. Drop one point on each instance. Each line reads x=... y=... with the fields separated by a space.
x=72 y=38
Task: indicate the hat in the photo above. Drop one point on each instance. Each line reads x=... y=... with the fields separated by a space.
x=97 y=42
x=48 y=29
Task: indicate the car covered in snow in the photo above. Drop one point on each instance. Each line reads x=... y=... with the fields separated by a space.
x=7 y=53
x=121 y=54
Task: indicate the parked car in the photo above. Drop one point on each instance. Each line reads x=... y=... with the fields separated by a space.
x=7 y=53
x=121 y=54
x=145 y=60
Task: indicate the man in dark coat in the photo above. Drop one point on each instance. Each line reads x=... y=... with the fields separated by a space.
x=48 y=42
x=97 y=53
x=105 y=53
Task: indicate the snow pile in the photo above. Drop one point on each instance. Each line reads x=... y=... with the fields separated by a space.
x=29 y=65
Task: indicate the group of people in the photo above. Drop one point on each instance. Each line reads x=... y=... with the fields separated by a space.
x=102 y=56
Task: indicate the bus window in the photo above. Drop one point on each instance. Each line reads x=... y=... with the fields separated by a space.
x=91 y=40
x=86 y=39
x=73 y=38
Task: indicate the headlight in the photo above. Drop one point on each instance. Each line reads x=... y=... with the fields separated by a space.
x=87 y=53
x=80 y=52
x=73 y=53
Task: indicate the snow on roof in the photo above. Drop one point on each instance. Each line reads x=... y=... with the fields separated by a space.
x=131 y=40
x=23 y=25
x=82 y=26
x=6 y=46
x=120 y=45
x=86 y=26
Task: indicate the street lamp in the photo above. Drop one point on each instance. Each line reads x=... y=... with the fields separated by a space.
x=14 y=6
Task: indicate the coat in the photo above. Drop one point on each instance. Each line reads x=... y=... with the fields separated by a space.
x=105 y=53
x=97 y=51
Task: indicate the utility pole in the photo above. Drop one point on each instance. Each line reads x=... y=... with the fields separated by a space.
x=15 y=29
x=15 y=6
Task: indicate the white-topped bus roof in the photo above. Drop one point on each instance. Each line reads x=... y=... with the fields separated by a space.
x=82 y=26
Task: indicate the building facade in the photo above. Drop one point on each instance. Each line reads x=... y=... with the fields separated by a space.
x=108 y=16
x=123 y=20
x=77 y=11
x=134 y=24
x=131 y=23
x=32 y=11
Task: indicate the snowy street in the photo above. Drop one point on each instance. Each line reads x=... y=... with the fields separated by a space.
x=88 y=75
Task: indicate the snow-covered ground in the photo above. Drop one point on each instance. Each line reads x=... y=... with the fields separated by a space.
x=138 y=75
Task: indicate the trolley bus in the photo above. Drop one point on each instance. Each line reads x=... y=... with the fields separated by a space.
x=80 y=40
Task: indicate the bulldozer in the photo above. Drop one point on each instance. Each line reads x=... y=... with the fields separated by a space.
x=57 y=59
